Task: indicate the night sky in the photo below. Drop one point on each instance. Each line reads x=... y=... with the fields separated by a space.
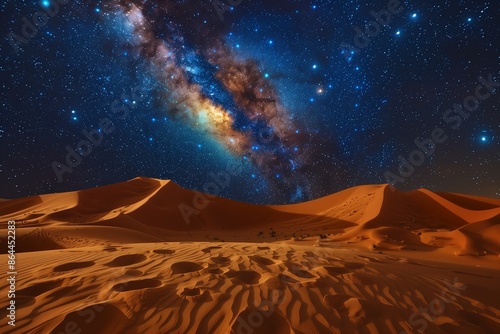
x=262 y=101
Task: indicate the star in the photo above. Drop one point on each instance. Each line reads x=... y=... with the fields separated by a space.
x=206 y=83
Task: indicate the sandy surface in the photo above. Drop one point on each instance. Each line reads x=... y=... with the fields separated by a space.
x=369 y=259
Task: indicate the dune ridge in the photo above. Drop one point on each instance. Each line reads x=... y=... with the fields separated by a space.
x=145 y=210
x=369 y=259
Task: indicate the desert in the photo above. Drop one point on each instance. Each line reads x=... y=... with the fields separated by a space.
x=369 y=259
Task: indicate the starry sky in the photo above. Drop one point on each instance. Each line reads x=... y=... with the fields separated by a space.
x=257 y=101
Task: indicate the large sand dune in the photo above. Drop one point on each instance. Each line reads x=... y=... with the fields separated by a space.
x=369 y=259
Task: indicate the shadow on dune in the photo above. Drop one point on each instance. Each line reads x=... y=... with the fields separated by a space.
x=151 y=210
x=12 y=207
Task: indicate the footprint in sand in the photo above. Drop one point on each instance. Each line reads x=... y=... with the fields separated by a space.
x=344 y=268
x=185 y=267
x=73 y=266
x=298 y=270
x=191 y=292
x=334 y=271
x=221 y=260
x=126 y=260
x=262 y=260
x=137 y=285
x=209 y=249
x=336 y=301
x=39 y=288
x=286 y=279
x=215 y=271
x=164 y=251
x=105 y=317
x=323 y=282
x=133 y=272
x=278 y=283
x=244 y=276
x=195 y=295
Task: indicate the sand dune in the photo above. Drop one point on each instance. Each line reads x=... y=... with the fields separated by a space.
x=369 y=259
x=248 y=288
x=145 y=210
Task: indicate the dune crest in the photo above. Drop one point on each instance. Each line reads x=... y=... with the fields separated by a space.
x=369 y=259
x=146 y=210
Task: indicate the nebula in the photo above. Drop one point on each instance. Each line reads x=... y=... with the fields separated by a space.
x=185 y=99
x=269 y=137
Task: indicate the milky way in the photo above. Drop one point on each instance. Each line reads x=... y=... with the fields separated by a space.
x=283 y=89
x=270 y=138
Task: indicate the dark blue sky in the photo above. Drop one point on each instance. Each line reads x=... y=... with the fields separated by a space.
x=305 y=108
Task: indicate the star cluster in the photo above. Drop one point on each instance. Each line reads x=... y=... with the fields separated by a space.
x=283 y=89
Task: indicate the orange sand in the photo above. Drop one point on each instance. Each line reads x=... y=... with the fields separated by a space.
x=369 y=259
